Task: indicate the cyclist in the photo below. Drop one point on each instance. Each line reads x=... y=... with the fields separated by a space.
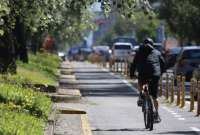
x=150 y=64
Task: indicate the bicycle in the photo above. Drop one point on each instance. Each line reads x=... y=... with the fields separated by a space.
x=148 y=108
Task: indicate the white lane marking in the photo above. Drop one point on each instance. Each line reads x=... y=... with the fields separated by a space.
x=177 y=116
x=170 y=111
x=164 y=107
x=104 y=69
x=124 y=81
x=167 y=109
x=195 y=129
x=128 y=84
x=181 y=118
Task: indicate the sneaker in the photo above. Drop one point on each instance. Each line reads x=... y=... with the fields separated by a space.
x=157 y=118
x=140 y=100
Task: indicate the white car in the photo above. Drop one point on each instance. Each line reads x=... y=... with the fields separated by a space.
x=121 y=50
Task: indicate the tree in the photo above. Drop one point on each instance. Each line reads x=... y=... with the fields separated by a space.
x=146 y=26
x=182 y=17
x=67 y=20
x=142 y=25
x=22 y=20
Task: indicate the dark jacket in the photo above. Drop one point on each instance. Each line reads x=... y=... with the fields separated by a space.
x=148 y=62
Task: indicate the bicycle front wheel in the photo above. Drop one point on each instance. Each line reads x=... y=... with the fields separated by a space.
x=148 y=114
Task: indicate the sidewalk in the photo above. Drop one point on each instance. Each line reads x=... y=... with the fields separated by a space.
x=68 y=119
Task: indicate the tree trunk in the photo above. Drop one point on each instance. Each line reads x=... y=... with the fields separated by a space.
x=19 y=33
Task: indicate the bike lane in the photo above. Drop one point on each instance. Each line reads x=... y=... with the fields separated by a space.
x=110 y=102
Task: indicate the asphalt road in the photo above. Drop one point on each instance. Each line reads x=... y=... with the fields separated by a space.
x=112 y=110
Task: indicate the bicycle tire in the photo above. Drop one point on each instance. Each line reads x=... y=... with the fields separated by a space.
x=148 y=114
x=151 y=116
x=145 y=112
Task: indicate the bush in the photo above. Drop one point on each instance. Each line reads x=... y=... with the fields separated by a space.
x=15 y=123
x=25 y=100
x=43 y=62
x=24 y=111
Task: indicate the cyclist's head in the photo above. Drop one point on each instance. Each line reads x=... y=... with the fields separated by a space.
x=148 y=41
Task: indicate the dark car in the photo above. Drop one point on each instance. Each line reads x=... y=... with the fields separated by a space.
x=187 y=61
x=159 y=47
x=171 y=56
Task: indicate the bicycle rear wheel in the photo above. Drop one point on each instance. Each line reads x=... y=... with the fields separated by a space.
x=148 y=114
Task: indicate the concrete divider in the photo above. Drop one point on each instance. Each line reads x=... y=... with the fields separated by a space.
x=68 y=121
x=42 y=87
x=68 y=82
x=68 y=77
x=66 y=95
x=66 y=72
x=49 y=130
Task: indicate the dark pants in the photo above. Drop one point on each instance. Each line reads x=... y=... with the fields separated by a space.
x=153 y=83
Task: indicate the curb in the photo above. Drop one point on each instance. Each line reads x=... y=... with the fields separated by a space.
x=64 y=98
x=66 y=72
x=72 y=92
x=68 y=77
x=85 y=125
x=49 y=130
x=68 y=82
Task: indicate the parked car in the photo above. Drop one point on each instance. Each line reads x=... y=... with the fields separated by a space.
x=121 y=50
x=159 y=47
x=103 y=51
x=187 y=61
x=74 y=53
x=125 y=39
x=171 y=56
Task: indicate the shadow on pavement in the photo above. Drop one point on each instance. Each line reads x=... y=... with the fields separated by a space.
x=91 y=72
x=180 y=133
x=94 y=77
x=124 y=129
x=109 y=92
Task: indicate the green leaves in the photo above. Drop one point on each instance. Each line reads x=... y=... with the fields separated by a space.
x=14 y=123
x=182 y=17
x=4 y=11
x=21 y=99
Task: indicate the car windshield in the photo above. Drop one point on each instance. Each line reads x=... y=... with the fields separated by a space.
x=126 y=47
x=191 y=54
